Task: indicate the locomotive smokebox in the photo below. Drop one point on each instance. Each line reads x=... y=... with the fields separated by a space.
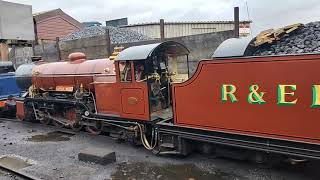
x=24 y=76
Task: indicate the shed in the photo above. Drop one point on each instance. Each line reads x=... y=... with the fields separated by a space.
x=55 y=23
x=179 y=29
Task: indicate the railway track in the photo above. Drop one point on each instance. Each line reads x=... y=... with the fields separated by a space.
x=62 y=129
x=16 y=174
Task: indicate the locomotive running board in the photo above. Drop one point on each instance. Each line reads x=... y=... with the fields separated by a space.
x=311 y=151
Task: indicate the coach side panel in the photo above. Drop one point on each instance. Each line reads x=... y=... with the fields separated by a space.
x=269 y=97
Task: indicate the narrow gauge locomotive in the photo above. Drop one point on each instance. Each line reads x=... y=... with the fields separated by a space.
x=260 y=104
x=8 y=89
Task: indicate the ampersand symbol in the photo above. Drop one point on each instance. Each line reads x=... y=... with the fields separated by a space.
x=254 y=96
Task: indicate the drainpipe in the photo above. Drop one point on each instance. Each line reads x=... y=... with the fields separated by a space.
x=4 y=52
x=236 y=22
x=162 y=30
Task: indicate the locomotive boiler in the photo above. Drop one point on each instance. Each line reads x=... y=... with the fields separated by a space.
x=254 y=104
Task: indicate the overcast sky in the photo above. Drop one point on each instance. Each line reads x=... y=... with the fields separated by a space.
x=264 y=13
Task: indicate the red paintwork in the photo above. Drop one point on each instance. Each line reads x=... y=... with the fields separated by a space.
x=2 y=103
x=112 y=96
x=20 y=110
x=71 y=115
x=115 y=98
x=198 y=104
x=71 y=73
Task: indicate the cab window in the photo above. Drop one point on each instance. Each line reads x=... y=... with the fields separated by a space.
x=139 y=71
x=125 y=71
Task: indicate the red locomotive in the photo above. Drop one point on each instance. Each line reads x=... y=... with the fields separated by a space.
x=264 y=104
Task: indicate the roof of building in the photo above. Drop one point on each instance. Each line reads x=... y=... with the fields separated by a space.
x=40 y=16
x=186 y=22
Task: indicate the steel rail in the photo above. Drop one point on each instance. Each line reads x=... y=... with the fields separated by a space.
x=18 y=173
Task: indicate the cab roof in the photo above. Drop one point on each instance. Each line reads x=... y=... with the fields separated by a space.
x=143 y=52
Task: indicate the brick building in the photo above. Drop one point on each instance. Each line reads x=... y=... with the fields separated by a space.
x=55 y=23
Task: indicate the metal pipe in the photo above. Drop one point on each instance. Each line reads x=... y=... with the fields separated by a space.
x=58 y=48
x=236 y=23
x=108 y=43
x=94 y=101
x=188 y=66
x=144 y=140
x=4 y=52
x=162 y=36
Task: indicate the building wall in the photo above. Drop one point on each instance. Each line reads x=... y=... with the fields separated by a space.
x=201 y=46
x=53 y=27
x=184 y=29
x=16 y=22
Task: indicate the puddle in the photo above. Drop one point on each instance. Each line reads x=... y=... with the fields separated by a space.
x=14 y=163
x=167 y=172
x=56 y=136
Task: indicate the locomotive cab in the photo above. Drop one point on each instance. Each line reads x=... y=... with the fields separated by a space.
x=145 y=74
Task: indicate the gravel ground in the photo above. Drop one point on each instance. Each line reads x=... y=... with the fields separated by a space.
x=117 y=35
x=54 y=156
x=304 y=40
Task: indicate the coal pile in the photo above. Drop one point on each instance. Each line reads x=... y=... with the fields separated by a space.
x=303 y=40
x=117 y=35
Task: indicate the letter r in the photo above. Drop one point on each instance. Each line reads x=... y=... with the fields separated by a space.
x=228 y=90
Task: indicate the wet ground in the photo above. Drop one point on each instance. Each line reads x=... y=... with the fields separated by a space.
x=55 y=136
x=14 y=162
x=50 y=154
x=167 y=172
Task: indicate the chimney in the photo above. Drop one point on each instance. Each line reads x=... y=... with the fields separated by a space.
x=4 y=52
x=162 y=30
x=236 y=22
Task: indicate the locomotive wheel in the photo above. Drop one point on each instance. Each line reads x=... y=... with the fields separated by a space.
x=57 y=124
x=95 y=130
x=76 y=127
x=156 y=150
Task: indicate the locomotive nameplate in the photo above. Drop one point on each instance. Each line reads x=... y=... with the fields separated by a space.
x=64 y=88
x=256 y=95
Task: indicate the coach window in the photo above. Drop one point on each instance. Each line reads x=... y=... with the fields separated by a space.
x=125 y=71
